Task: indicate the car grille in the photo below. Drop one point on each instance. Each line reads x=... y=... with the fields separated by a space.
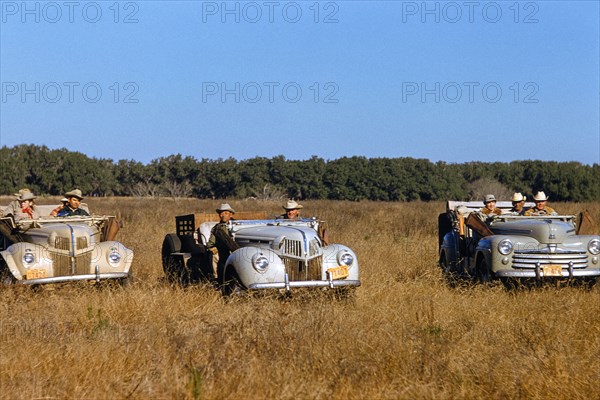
x=61 y=260
x=62 y=264
x=292 y=247
x=531 y=259
x=63 y=243
x=298 y=270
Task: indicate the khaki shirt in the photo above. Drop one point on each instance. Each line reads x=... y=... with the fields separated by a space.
x=222 y=240
x=545 y=211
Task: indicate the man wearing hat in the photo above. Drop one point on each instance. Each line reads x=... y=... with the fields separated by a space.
x=489 y=206
x=518 y=201
x=541 y=207
x=74 y=198
x=221 y=243
x=64 y=201
x=292 y=210
x=14 y=206
x=26 y=209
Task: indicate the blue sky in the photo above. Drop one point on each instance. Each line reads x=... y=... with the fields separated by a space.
x=452 y=81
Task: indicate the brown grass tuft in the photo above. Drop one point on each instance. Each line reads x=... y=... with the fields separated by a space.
x=405 y=334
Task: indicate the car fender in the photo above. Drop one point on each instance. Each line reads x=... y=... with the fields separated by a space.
x=101 y=260
x=13 y=257
x=241 y=261
x=488 y=247
x=450 y=246
x=330 y=260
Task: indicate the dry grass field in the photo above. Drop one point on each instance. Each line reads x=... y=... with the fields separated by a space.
x=405 y=335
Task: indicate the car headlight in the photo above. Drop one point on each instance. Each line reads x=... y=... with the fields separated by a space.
x=594 y=246
x=505 y=247
x=114 y=257
x=260 y=262
x=28 y=257
x=345 y=258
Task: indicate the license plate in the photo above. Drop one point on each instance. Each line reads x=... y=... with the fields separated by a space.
x=340 y=272
x=35 y=274
x=552 y=270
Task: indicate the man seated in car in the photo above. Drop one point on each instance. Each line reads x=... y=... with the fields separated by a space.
x=26 y=209
x=292 y=211
x=489 y=208
x=518 y=201
x=72 y=207
x=541 y=207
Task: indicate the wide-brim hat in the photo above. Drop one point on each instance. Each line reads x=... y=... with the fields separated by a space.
x=26 y=196
x=64 y=200
x=74 y=193
x=292 y=205
x=21 y=192
x=225 y=207
x=489 y=198
x=540 y=196
x=518 y=197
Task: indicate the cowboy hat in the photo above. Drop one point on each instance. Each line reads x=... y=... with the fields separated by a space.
x=292 y=205
x=21 y=192
x=225 y=207
x=540 y=196
x=488 y=198
x=517 y=198
x=26 y=196
x=74 y=193
x=64 y=200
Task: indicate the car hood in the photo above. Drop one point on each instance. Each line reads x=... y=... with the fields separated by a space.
x=543 y=230
x=266 y=234
x=54 y=234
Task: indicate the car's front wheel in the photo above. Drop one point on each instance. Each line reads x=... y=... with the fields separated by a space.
x=484 y=275
x=231 y=285
x=449 y=269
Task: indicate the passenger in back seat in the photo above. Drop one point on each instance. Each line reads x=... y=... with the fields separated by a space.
x=64 y=202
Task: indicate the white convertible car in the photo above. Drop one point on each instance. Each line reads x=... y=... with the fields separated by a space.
x=274 y=254
x=62 y=249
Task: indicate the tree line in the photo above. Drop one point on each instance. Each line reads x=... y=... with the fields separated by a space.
x=53 y=172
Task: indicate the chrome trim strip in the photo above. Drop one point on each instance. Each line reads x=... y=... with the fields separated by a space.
x=72 y=249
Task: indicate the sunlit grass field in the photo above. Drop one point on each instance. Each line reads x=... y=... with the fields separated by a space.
x=405 y=335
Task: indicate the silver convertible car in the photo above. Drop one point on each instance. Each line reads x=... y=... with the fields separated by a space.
x=511 y=247
x=273 y=254
x=62 y=249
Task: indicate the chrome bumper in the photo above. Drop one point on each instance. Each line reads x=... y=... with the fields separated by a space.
x=288 y=285
x=74 y=278
x=537 y=273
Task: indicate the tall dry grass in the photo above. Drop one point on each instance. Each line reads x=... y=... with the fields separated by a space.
x=406 y=334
